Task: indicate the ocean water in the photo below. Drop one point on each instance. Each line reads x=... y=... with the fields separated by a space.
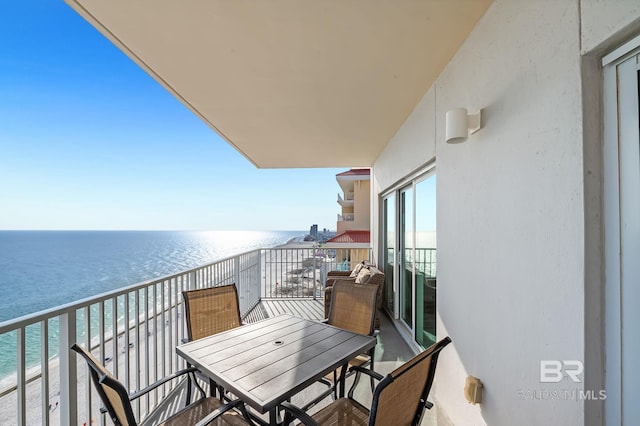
x=44 y=269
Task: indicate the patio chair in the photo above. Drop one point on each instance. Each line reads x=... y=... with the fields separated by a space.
x=117 y=400
x=210 y=311
x=353 y=308
x=361 y=274
x=399 y=399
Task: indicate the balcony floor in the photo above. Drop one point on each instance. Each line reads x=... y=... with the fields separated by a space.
x=304 y=308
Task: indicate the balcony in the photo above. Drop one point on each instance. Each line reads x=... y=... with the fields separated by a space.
x=134 y=330
x=346 y=217
x=346 y=201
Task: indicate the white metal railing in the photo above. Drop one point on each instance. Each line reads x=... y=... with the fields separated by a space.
x=347 y=217
x=347 y=196
x=301 y=272
x=51 y=385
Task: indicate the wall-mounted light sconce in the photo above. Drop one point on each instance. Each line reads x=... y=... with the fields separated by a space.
x=459 y=124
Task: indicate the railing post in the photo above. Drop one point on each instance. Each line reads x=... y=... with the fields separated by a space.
x=236 y=271
x=68 y=370
x=262 y=273
x=44 y=380
x=21 y=376
x=192 y=280
x=240 y=286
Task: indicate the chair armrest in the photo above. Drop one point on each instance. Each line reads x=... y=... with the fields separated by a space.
x=298 y=413
x=366 y=371
x=152 y=386
x=221 y=410
x=332 y=279
x=359 y=369
x=338 y=273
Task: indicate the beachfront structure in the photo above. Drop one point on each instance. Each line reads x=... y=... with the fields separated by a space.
x=355 y=201
x=536 y=212
x=353 y=224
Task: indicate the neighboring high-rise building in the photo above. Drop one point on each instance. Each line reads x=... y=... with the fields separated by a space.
x=354 y=219
x=354 y=201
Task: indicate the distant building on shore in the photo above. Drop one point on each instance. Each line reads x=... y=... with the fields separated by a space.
x=318 y=236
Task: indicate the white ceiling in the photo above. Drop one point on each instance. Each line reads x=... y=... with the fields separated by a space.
x=292 y=83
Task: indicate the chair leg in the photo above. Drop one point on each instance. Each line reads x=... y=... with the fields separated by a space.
x=371 y=356
x=193 y=382
x=212 y=388
x=188 y=389
x=373 y=384
x=343 y=378
x=223 y=394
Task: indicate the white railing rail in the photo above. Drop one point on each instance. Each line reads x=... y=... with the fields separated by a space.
x=52 y=387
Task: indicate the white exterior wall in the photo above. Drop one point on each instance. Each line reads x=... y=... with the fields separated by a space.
x=510 y=211
x=411 y=148
x=602 y=19
x=510 y=215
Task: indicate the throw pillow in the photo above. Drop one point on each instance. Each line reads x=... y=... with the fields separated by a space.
x=357 y=269
x=364 y=276
x=374 y=270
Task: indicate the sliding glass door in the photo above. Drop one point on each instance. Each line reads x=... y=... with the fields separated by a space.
x=389 y=235
x=410 y=257
x=425 y=262
x=406 y=256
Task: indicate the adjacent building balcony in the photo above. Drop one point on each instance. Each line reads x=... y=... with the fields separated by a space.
x=346 y=217
x=347 y=200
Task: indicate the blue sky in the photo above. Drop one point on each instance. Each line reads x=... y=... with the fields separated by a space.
x=89 y=141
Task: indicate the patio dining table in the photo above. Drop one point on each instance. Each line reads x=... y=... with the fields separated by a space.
x=267 y=362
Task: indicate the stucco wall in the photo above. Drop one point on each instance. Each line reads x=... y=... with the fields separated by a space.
x=603 y=18
x=510 y=211
x=362 y=204
x=361 y=208
x=413 y=146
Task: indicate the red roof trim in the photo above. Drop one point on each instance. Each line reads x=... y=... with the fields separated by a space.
x=352 y=236
x=356 y=172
